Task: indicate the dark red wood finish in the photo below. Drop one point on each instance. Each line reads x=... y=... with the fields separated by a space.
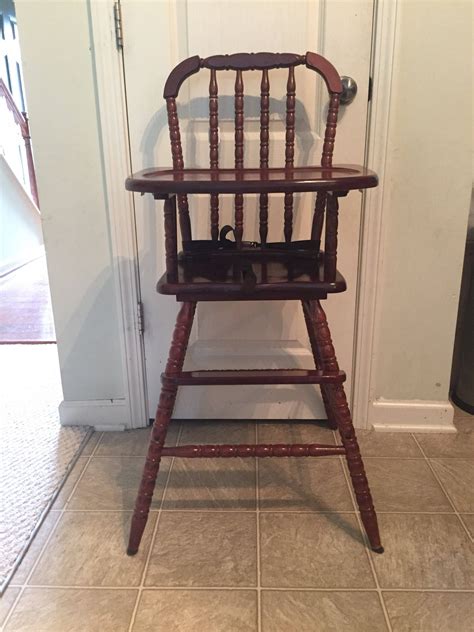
x=216 y=270
x=261 y=450
x=214 y=149
x=290 y=148
x=264 y=150
x=164 y=182
x=239 y=154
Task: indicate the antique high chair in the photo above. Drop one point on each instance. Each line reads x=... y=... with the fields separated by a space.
x=224 y=270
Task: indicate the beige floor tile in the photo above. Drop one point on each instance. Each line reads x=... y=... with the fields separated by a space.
x=430 y=612
x=112 y=483
x=463 y=420
x=88 y=549
x=304 y=550
x=196 y=611
x=464 y=423
x=321 y=611
x=90 y=445
x=404 y=485
x=212 y=484
x=71 y=480
x=294 y=432
x=468 y=520
x=308 y=484
x=36 y=545
x=196 y=432
x=6 y=602
x=388 y=444
x=460 y=444
x=204 y=549
x=457 y=477
x=77 y=610
x=132 y=442
x=424 y=551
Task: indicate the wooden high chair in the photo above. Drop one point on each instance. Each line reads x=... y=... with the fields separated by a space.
x=220 y=269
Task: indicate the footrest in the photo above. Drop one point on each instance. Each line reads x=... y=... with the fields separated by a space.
x=260 y=450
x=250 y=376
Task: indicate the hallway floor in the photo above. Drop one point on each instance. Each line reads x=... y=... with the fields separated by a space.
x=25 y=305
x=272 y=546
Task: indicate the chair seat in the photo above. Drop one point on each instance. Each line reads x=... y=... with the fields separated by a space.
x=247 y=276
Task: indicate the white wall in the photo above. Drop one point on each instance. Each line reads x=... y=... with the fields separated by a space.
x=429 y=186
x=424 y=226
x=59 y=78
x=20 y=223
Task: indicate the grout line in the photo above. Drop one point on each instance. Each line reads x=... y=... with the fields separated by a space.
x=267 y=511
x=366 y=547
x=60 y=511
x=468 y=591
x=152 y=541
x=433 y=471
x=257 y=506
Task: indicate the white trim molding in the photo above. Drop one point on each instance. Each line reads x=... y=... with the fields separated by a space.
x=371 y=260
x=411 y=416
x=116 y=167
x=102 y=414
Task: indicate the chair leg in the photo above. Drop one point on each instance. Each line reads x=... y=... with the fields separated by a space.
x=341 y=414
x=164 y=411
x=317 y=362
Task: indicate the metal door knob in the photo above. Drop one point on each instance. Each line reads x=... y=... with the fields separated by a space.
x=349 y=90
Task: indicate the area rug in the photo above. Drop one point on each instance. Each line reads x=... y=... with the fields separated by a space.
x=36 y=453
x=26 y=315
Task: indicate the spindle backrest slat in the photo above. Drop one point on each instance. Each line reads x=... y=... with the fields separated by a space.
x=178 y=163
x=289 y=147
x=214 y=149
x=264 y=62
x=239 y=153
x=264 y=149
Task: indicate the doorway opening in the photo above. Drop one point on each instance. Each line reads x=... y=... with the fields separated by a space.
x=30 y=379
x=26 y=313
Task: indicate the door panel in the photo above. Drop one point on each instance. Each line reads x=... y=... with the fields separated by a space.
x=157 y=36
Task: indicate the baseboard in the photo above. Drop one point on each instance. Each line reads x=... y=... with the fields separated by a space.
x=411 y=416
x=102 y=414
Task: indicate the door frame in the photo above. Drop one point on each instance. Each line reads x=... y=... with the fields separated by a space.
x=111 y=98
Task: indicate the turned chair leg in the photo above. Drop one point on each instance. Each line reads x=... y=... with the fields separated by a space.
x=318 y=362
x=164 y=411
x=340 y=413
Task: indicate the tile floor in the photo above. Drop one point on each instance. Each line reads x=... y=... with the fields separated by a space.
x=273 y=546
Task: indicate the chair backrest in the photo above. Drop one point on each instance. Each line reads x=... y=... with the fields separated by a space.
x=239 y=63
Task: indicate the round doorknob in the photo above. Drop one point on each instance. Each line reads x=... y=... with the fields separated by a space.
x=349 y=90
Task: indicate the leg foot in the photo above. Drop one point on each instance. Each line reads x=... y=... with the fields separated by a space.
x=339 y=412
x=160 y=427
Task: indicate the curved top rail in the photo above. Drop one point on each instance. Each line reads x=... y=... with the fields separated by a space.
x=327 y=71
x=182 y=71
x=252 y=61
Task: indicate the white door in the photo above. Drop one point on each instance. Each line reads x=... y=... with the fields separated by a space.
x=157 y=35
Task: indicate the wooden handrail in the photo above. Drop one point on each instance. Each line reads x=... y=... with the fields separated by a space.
x=21 y=119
